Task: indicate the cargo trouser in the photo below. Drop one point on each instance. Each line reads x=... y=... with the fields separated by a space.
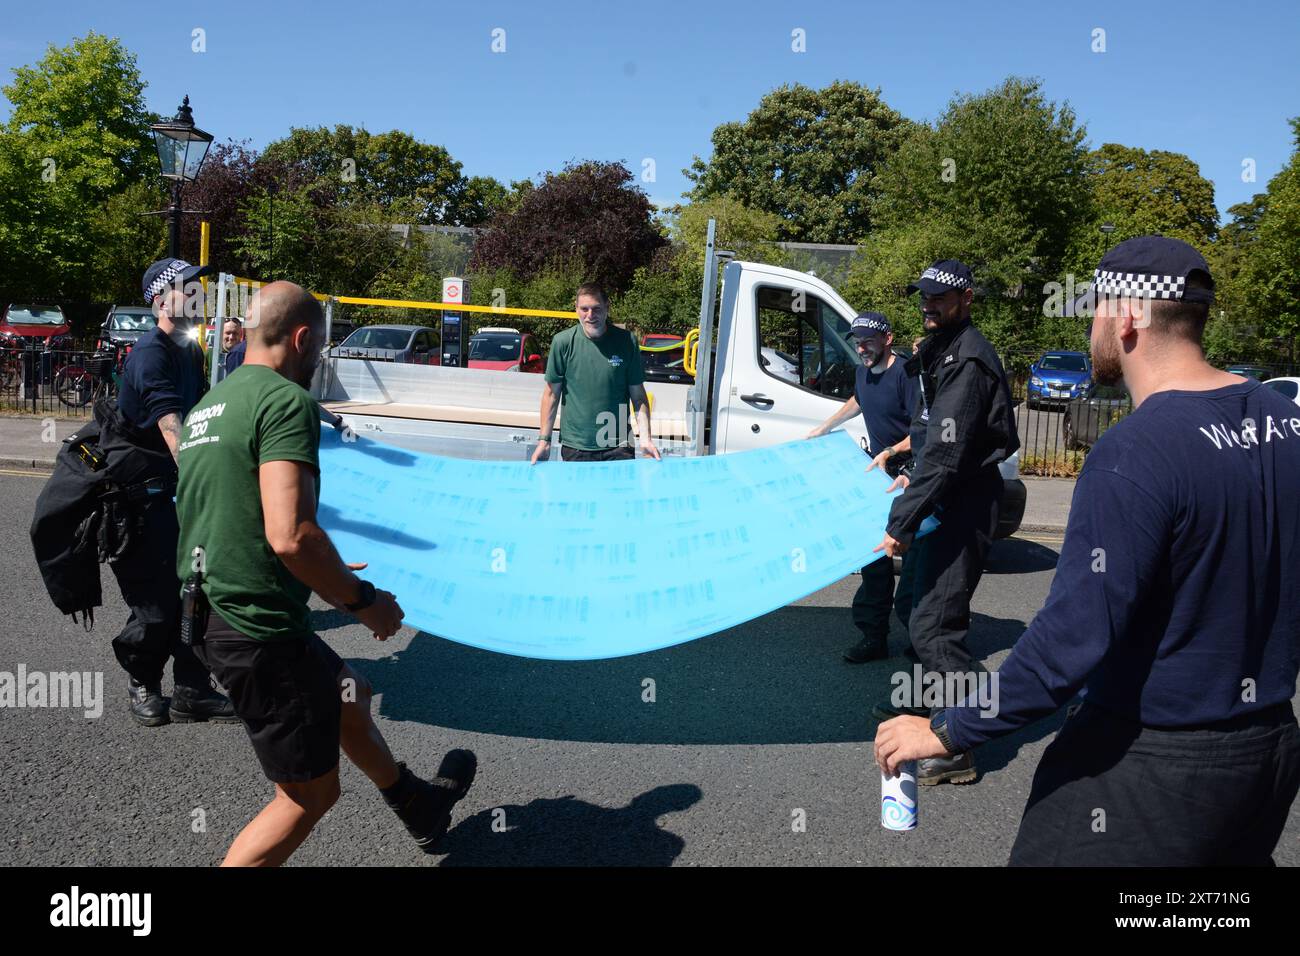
x=146 y=574
x=874 y=598
x=936 y=586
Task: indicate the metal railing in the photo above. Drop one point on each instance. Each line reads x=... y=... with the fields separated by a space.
x=1057 y=432
x=59 y=382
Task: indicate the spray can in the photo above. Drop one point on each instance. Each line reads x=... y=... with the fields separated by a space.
x=898 y=798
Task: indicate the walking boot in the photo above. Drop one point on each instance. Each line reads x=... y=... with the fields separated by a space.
x=424 y=806
x=958 y=768
x=868 y=649
x=148 y=705
x=195 y=704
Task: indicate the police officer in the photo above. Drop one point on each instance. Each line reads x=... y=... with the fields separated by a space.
x=161 y=381
x=963 y=429
x=1172 y=607
x=886 y=397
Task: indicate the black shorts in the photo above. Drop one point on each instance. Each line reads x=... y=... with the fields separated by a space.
x=617 y=453
x=286 y=693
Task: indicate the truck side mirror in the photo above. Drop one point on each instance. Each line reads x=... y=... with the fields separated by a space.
x=534 y=358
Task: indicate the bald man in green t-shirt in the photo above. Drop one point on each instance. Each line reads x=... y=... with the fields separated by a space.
x=246 y=499
x=594 y=370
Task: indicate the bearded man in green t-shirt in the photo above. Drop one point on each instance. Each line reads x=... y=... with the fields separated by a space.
x=594 y=369
x=246 y=499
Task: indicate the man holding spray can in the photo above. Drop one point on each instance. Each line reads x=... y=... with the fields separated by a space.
x=1171 y=610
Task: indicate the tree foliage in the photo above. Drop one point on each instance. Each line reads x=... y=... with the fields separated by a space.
x=588 y=212
x=807 y=156
x=75 y=148
x=994 y=182
x=1141 y=193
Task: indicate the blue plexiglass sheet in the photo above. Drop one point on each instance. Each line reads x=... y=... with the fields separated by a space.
x=579 y=561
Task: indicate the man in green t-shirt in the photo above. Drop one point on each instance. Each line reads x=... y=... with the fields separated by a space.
x=246 y=499
x=593 y=370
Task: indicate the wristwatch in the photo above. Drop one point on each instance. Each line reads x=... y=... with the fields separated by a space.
x=939 y=727
x=366 y=599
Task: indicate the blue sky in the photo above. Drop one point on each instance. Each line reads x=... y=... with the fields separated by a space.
x=637 y=80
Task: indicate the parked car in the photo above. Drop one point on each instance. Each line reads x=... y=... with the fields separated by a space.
x=1057 y=378
x=125 y=325
x=410 y=344
x=34 y=326
x=661 y=340
x=1288 y=387
x=781 y=364
x=1087 y=418
x=505 y=350
x=673 y=373
x=1250 y=371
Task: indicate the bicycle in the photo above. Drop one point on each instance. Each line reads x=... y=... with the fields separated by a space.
x=79 y=385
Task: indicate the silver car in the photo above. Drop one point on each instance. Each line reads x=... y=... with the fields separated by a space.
x=411 y=344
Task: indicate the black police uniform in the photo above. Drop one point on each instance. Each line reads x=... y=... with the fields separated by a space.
x=160 y=378
x=964 y=427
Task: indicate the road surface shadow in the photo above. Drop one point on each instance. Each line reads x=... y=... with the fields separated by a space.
x=542 y=832
x=779 y=679
x=1019 y=556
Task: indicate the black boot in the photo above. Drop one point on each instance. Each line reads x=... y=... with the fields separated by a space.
x=148 y=705
x=424 y=806
x=868 y=649
x=194 y=704
x=958 y=768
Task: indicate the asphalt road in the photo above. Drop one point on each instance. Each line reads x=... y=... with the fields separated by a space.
x=748 y=727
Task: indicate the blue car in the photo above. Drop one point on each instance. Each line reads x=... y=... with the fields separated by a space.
x=1058 y=377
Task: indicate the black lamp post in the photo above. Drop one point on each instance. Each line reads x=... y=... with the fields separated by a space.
x=182 y=147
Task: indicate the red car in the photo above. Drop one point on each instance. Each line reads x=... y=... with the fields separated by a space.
x=505 y=350
x=34 y=326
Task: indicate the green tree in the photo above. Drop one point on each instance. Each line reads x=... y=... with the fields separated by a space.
x=73 y=154
x=1264 y=289
x=808 y=156
x=392 y=171
x=1142 y=193
x=997 y=182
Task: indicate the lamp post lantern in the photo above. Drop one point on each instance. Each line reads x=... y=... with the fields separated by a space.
x=182 y=147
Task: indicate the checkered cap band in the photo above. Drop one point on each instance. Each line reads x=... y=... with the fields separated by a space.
x=947 y=278
x=165 y=278
x=1137 y=284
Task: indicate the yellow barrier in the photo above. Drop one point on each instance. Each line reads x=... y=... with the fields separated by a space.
x=692 y=351
x=436 y=306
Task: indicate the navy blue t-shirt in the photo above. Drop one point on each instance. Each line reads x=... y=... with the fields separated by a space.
x=887 y=401
x=159 y=378
x=1175 y=601
x=235 y=358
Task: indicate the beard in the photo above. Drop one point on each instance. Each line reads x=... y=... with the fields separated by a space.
x=1106 y=368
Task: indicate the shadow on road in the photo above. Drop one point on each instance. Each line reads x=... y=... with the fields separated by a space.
x=542 y=832
x=1019 y=556
x=776 y=680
